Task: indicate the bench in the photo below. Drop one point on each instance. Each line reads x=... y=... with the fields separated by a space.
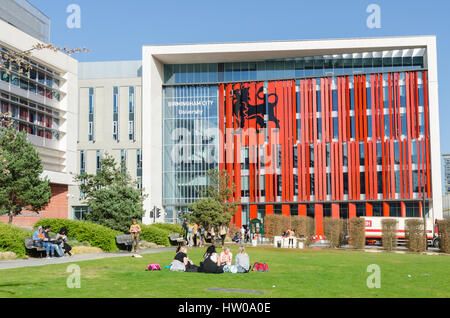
x=176 y=239
x=29 y=245
x=125 y=241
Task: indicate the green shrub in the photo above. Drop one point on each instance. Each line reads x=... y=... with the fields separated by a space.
x=357 y=231
x=415 y=235
x=12 y=239
x=332 y=229
x=172 y=228
x=389 y=233
x=444 y=235
x=153 y=234
x=96 y=235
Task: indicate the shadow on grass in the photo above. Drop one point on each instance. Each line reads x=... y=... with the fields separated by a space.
x=17 y=285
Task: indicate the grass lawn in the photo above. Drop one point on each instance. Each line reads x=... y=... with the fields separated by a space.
x=294 y=273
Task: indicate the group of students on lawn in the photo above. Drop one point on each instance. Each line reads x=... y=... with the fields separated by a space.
x=212 y=261
x=41 y=238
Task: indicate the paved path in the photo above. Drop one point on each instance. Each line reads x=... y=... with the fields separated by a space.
x=31 y=262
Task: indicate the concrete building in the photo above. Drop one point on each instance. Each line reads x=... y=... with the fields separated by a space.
x=110 y=106
x=321 y=128
x=44 y=104
x=446 y=159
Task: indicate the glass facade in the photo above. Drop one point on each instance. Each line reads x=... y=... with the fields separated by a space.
x=314 y=66
x=369 y=110
x=190 y=141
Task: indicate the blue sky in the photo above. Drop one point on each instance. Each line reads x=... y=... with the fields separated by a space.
x=117 y=29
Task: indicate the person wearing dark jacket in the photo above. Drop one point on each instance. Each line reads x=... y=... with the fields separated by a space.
x=211 y=262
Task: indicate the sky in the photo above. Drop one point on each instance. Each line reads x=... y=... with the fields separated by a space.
x=117 y=29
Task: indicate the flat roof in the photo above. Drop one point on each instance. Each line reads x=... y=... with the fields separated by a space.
x=256 y=51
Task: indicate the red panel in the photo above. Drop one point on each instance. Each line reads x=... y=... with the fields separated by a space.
x=350 y=169
x=347 y=109
x=401 y=169
x=356 y=106
x=229 y=135
x=381 y=108
x=385 y=209
x=357 y=171
x=302 y=209
x=269 y=209
x=285 y=210
x=383 y=169
x=238 y=217
x=390 y=106
x=410 y=196
x=351 y=210
x=335 y=211
x=427 y=144
x=319 y=218
x=369 y=209
x=253 y=212
x=332 y=172
x=375 y=171
x=392 y=152
x=403 y=209
x=221 y=127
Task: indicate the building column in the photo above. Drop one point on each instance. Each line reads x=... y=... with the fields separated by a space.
x=269 y=209
x=369 y=209
x=318 y=211
x=386 y=209
x=238 y=217
x=403 y=209
x=253 y=212
x=335 y=211
x=302 y=209
x=351 y=211
x=420 y=209
x=285 y=210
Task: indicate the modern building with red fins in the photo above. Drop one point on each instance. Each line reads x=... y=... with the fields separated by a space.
x=339 y=128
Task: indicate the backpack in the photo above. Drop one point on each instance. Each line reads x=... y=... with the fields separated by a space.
x=153 y=267
x=260 y=267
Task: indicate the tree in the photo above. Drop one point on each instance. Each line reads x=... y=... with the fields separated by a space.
x=21 y=184
x=217 y=205
x=112 y=196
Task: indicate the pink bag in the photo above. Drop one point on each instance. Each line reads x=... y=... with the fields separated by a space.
x=153 y=267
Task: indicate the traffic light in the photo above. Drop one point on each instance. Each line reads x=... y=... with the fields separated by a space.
x=158 y=213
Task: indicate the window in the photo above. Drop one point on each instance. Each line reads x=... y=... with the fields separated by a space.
x=99 y=160
x=123 y=160
x=79 y=212
x=82 y=162
x=115 y=113
x=91 y=114
x=131 y=113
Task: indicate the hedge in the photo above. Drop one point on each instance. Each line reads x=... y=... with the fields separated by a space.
x=12 y=239
x=444 y=235
x=303 y=226
x=275 y=225
x=172 y=228
x=415 y=235
x=389 y=233
x=154 y=234
x=333 y=231
x=96 y=235
x=357 y=231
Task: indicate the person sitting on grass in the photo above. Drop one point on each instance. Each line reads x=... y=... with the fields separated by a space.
x=226 y=257
x=211 y=261
x=182 y=257
x=61 y=238
x=242 y=261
